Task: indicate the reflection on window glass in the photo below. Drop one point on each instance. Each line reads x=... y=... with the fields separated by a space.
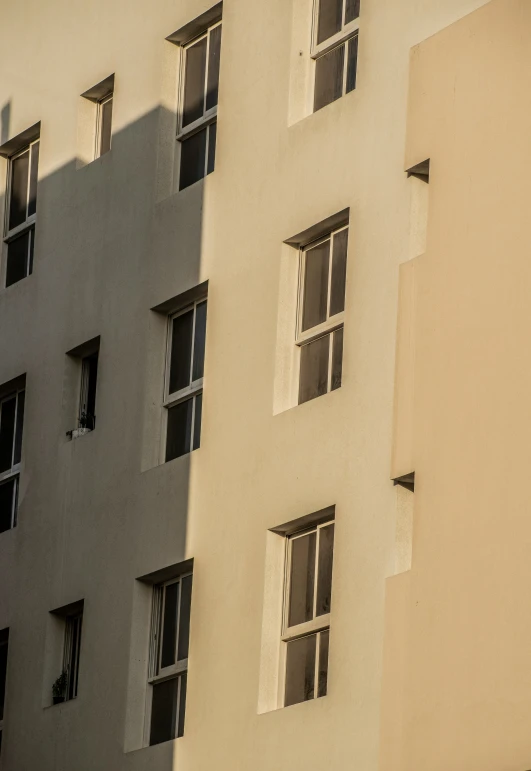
x=329 y=77
x=181 y=351
x=313 y=379
x=352 y=64
x=302 y=575
x=300 y=670
x=315 y=285
x=194 y=82
x=213 y=68
x=329 y=18
x=323 y=663
x=163 y=711
x=337 y=359
x=169 y=625
x=193 y=154
x=19 y=190
x=339 y=273
x=324 y=570
x=352 y=10
x=179 y=429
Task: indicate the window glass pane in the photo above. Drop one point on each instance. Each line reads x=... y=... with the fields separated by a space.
x=181 y=351
x=339 y=272
x=31 y=248
x=197 y=421
x=193 y=159
x=300 y=670
x=315 y=293
x=337 y=359
x=324 y=570
x=34 y=167
x=179 y=430
x=212 y=135
x=194 y=84
x=352 y=10
x=169 y=625
x=73 y=658
x=163 y=711
x=329 y=21
x=213 y=68
x=19 y=190
x=352 y=64
x=182 y=704
x=3 y=673
x=314 y=369
x=19 y=425
x=301 y=580
x=184 y=618
x=105 y=126
x=17 y=258
x=7 y=432
x=8 y=492
x=329 y=77
x=90 y=375
x=323 y=663
x=199 y=340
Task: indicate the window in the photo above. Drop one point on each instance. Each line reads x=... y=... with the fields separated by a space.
x=84 y=361
x=11 y=425
x=170 y=631
x=199 y=106
x=72 y=647
x=306 y=618
x=321 y=314
x=4 y=642
x=87 y=391
x=335 y=49
x=104 y=125
x=184 y=379
x=21 y=212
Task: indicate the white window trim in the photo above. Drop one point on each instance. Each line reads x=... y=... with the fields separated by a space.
x=209 y=116
x=315 y=625
x=30 y=220
x=99 y=121
x=347 y=31
x=168 y=673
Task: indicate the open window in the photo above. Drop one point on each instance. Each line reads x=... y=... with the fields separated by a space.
x=97 y=108
x=200 y=42
x=21 y=209
x=70 y=624
x=168 y=665
x=85 y=359
x=184 y=379
x=12 y=400
x=335 y=49
x=306 y=619
x=323 y=266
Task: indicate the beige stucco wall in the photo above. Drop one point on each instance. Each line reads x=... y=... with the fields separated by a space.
x=113 y=242
x=457 y=662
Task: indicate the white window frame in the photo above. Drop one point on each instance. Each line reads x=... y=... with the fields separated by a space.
x=31 y=219
x=99 y=122
x=347 y=32
x=14 y=471
x=155 y=673
x=332 y=323
x=208 y=115
x=195 y=387
x=315 y=625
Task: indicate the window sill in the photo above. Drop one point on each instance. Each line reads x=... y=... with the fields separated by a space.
x=75 y=433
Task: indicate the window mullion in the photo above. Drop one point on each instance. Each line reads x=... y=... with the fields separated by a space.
x=329 y=287
x=192 y=351
x=346 y=46
x=316 y=672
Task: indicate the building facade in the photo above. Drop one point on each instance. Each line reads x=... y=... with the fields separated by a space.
x=248 y=520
